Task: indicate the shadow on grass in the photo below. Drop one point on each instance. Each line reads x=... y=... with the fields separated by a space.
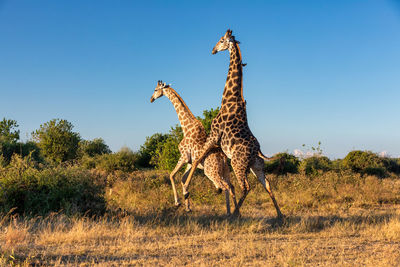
x=173 y=216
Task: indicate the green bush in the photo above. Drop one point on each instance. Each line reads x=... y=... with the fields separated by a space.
x=57 y=141
x=366 y=162
x=208 y=116
x=9 y=148
x=167 y=153
x=315 y=165
x=392 y=165
x=124 y=160
x=8 y=130
x=34 y=191
x=93 y=147
x=148 y=149
x=284 y=164
x=337 y=165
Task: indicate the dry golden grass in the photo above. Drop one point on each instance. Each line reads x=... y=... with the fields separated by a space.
x=331 y=221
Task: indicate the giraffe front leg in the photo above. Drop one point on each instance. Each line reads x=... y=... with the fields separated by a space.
x=230 y=189
x=241 y=176
x=182 y=160
x=186 y=193
x=271 y=194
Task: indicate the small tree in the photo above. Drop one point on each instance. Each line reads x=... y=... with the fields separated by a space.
x=124 y=160
x=314 y=165
x=8 y=149
x=167 y=153
x=93 y=147
x=209 y=115
x=284 y=164
x=148 y=149
x=57 y=141
x=8 y=130
x=365 y=162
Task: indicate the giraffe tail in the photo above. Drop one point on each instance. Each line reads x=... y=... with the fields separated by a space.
x=261 y=155
x=282 y=160
x=265 y=158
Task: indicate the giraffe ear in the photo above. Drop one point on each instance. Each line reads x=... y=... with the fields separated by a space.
x=229 y=32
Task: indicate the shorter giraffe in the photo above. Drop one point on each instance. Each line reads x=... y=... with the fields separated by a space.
x=194 y=137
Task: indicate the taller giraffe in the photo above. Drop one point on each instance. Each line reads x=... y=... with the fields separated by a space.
x=230 y=130
x=194 y=137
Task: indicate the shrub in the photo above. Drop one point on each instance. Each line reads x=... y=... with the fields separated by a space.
x=93 y=147
x=124 y=160
x=391 y=165
x=8 y=130
x=315 y=164
x=37 y=191
x=208 y=115
x=148 y=149
x=284 y=164
x=167 y=153
x=337 y=165
x=57 y=141
x=8 y=149
x=365 y=162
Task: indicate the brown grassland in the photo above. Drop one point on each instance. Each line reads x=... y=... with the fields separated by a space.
x=333 y=219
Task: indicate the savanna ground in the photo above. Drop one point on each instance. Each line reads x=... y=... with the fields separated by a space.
x=332 y=219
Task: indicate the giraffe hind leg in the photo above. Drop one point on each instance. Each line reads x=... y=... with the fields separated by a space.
x=258 y=170
x=217 y=170
x=182 y=160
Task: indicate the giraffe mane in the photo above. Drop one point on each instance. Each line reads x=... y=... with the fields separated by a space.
x=240 y=55
x=181 y=100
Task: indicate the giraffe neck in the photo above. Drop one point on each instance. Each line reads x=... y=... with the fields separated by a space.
x=185 y=116
x=233 y=91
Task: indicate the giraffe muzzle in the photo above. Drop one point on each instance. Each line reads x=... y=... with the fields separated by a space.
x=151 y=99
x=214 y=51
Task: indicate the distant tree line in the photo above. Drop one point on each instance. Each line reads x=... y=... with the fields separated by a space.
x=55 y=142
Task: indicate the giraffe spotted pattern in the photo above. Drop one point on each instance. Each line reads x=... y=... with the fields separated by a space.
x=194 y=137
x=230 y=130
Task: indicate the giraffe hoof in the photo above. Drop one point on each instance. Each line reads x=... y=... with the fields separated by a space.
x=235 y=214
x=177 y=204
x=280 y=218
x=188 y=210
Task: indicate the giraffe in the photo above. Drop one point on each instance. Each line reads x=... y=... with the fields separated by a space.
x=194 y=136
x=230 y=130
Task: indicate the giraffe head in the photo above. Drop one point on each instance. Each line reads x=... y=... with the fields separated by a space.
x=159 y=91
x=225 y=42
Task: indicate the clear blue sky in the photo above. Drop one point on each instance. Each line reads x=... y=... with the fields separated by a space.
x=324 y=71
